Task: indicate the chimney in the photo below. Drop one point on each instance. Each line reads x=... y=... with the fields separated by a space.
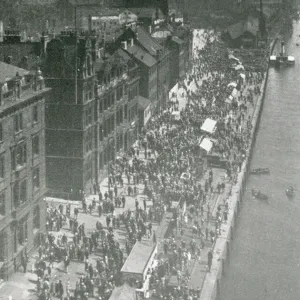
x=150 y=29
x=90 y=23
x=124 y=45
x=131 y=42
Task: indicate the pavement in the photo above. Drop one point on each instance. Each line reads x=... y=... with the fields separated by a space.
x=23 y=286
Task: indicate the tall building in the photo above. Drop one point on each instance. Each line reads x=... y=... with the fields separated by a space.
x=22 y=164
x=70 y=122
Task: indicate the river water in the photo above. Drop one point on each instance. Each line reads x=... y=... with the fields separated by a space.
x=265 y=254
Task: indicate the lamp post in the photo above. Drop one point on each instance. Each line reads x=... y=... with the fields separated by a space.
x=108 y=169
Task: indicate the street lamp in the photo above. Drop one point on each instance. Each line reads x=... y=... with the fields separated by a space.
x=111 y=138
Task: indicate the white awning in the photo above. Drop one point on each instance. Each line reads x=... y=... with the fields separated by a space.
x=209 y=125
x=233 y=84
x=206 y=144
x=234 y=92
x=273 y=57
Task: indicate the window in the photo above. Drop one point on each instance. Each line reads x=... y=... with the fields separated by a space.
x=19 y=156
x=15 y=193
x=100 y=106
x=3 y=243
x=35 y=114
x=36 y=217
x=23 y=191
x=36 y=178
x=35 y=145
x=2 y=166
x=1 y=132
x=23 y=230
x=2 y=204
x=101 y=133
x=18 y=121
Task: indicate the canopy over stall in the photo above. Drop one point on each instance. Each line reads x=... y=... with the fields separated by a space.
x=209 y=125
x=206 y=144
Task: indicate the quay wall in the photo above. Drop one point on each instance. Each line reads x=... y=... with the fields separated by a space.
x=221 y=251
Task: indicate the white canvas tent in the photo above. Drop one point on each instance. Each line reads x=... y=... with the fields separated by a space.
x=209 y=125
x=206 y=144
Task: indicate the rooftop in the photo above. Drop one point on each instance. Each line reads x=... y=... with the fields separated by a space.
x=8 y=71
x=147 y=41
x=138 y=258
x=143 y=56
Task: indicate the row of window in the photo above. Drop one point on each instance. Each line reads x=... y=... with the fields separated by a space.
x=19 y=155
x=20 y=191
x=110 y=99
x=18 y=122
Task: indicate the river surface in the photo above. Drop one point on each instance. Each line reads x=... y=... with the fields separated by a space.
x=265 y=254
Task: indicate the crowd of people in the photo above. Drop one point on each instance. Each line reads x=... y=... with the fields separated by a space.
x=166 y=149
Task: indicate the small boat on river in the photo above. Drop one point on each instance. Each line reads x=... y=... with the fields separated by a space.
x=259 y=195
x=290 y=192
x=259 y=171
x=282 y=58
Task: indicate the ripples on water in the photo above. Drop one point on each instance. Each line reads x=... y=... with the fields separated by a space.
x=265 y=256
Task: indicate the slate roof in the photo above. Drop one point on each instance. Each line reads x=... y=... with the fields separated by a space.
x=147 y=41
x=141 y=55
x=143 y=102
x=8 y=71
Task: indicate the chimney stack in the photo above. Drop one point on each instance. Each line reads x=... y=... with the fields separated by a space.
x=132 y=42
x=124 y=45
x=150 y=29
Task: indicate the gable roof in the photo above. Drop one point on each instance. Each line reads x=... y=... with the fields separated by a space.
x=141 y=55
x=147 y=41
x=8 y=71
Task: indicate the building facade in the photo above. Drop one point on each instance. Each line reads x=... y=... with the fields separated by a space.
x=70 y=115
x=22 y=164
x=117 y=96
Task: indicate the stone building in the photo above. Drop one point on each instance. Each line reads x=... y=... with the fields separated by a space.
x=117 y=98
x=70 y=115
x=22 y=164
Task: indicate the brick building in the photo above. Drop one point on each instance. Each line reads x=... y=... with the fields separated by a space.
x=22 y=164
x=117 y=97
